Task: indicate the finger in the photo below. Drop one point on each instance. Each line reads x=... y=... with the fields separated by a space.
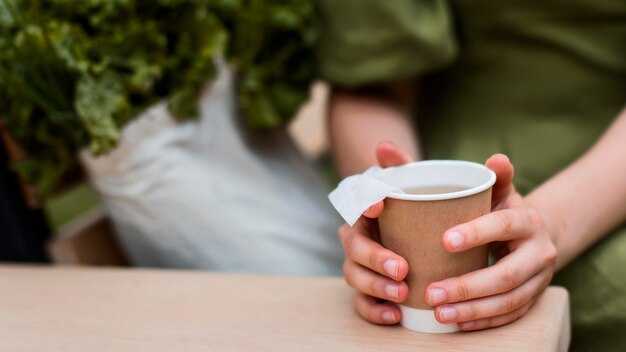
x=501 y=225
x=375 y=210
x=507 y=274
x=388 y=154
x=376 y=312
x=501 y=165
x=499 y=320
x=497 y=304
x=373 y=284
x=372 y=255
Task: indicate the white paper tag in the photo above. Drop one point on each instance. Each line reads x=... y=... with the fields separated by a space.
x=356 y=193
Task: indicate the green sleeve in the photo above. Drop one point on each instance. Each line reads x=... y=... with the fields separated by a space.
x=367 y=41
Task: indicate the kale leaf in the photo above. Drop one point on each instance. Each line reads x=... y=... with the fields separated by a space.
x=73 y=73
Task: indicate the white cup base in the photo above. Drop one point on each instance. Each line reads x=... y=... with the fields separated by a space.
x=423 y=320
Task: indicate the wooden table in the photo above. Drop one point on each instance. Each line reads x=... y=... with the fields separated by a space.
x=86 y=309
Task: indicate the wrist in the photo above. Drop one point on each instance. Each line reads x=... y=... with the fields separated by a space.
x=554 y=223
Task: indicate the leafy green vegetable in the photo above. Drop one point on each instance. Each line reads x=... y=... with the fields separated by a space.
x=73 y=73
x=96 y=101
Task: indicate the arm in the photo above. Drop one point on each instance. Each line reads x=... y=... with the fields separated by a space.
x=586 y=200
x=360 y=119
x=571 y=210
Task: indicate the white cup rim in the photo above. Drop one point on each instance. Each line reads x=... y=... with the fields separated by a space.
x=479 y=177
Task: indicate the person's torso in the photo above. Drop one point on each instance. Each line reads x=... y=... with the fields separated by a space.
x=539 y=81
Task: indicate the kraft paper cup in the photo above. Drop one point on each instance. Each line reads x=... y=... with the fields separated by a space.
x=413 y=225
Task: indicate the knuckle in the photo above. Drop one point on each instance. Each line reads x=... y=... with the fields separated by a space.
x=474 y=233
x=505 y=221
x=551 y=255
x=514 y=301
x=377 y=258
x=463 y=291
x=534 y=218
x=373 y=289
x=472 y=313
x=476 y=324
x=510 y=278
x=483 y=324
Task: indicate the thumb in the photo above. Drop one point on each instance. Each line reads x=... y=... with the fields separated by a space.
x=501 y=165
x=388 y=154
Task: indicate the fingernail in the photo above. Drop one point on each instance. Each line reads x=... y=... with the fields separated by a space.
x=436 y=296
x=389 y=317
x=391 y=267
x=447 y=314
x=392 y=291
x=455 y=239
x=468 y=325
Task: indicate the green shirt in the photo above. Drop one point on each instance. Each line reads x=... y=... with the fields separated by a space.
x=537 y=80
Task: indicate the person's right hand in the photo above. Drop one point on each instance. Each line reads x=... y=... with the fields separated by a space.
x=375 y=272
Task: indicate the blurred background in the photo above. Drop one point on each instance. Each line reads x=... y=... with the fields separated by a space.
x=70 y=226
x=116 y=115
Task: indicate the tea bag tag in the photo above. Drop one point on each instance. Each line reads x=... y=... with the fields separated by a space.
x=356 y=193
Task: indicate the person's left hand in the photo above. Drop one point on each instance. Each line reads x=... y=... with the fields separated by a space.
x=521 y=240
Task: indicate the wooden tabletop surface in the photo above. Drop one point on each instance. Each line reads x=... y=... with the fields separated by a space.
x=87 y=309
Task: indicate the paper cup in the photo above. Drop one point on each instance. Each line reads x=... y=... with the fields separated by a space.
x=412 y=225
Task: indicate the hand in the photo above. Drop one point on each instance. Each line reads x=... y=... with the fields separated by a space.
x=375 y=272
x=521 y=240
x=524 y=270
